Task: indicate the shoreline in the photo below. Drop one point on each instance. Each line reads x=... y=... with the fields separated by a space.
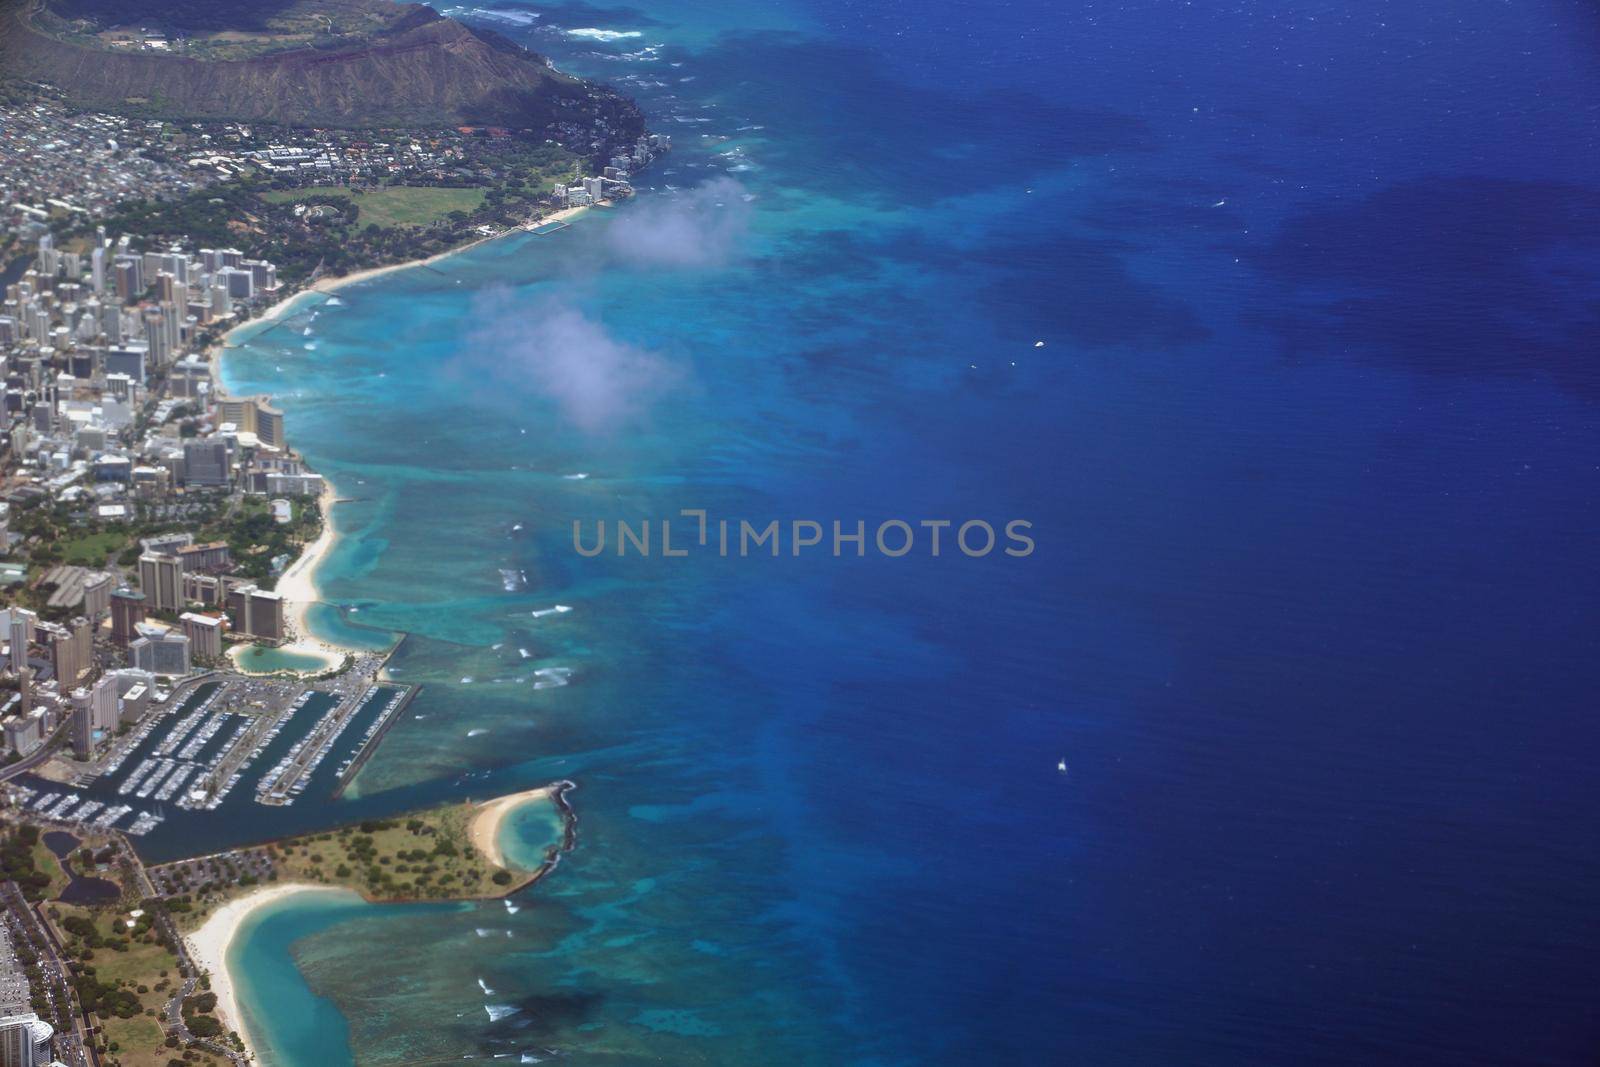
x=209 y=946
x=490 y=817
x=337 y=282
x=297 y=584
x=298 y=587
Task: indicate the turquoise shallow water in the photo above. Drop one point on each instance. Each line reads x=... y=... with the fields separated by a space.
x=285 y=1021
x=528 y=831
x=263 y=659
x=1276 y=323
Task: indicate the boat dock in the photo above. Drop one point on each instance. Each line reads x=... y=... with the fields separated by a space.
x=264 y=736
x=375 y=732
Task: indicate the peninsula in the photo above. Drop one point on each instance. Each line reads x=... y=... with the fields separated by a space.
x=159 y=537
x=131 y=961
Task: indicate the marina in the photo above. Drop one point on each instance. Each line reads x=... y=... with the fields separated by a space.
x=197 y=747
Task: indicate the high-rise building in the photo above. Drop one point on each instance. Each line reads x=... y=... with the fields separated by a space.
x=160 y=334
x=161 y=581
x=241 y=283
x=205 y=463
x=252 y=414
x=71 y=651
x=25 y=733
x=134 y=688
x=129 y=272
x=82 y=724
x=49 y=259
x=105 y=704
x=127 y=612
x=111 y=322
x=135 y=702
x=97 y=594
x=212 y=555
x=204 y=633
x=256 y=613
x=83 y=639
x=263 y=274
x=23 y=625
x=160 y=651
x=269 y=427
x=25 y=1041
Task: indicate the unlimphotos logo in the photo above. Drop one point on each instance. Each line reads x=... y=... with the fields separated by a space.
x=740 y=538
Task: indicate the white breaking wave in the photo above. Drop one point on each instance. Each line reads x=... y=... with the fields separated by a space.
x=333 y=302
x=589 y=33
x=516 y=18
x=477 y=733
x=467 y=680
x=524 y=653
x=559 y=609
x=578 y=477
x=485 y=987
x=551 y=677
x=499 y=1011
x=511 y=908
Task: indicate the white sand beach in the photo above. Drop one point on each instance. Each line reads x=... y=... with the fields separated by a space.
x=333 y=284
x=298 y=585
x=209 y=944
x=484 y=829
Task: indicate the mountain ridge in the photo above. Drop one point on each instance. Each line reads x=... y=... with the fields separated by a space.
x=420 y=69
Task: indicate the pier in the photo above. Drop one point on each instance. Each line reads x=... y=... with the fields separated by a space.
x=386 y=719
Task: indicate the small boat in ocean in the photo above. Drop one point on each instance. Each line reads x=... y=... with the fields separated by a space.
x=1061 y=766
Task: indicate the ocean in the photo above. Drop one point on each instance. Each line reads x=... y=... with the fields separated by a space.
x=1276 y=324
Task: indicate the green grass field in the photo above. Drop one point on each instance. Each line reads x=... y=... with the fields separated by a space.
x=91 y=550
x=395 y=205
x=138 y=1041
x=46 y=861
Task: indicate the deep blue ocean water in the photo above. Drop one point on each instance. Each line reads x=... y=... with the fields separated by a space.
x=1310 y=456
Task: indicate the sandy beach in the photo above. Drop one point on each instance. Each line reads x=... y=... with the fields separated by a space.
x=298 y=583
x=333 y=284
x=209 y=944
x=298 y=587
x=484 y=829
